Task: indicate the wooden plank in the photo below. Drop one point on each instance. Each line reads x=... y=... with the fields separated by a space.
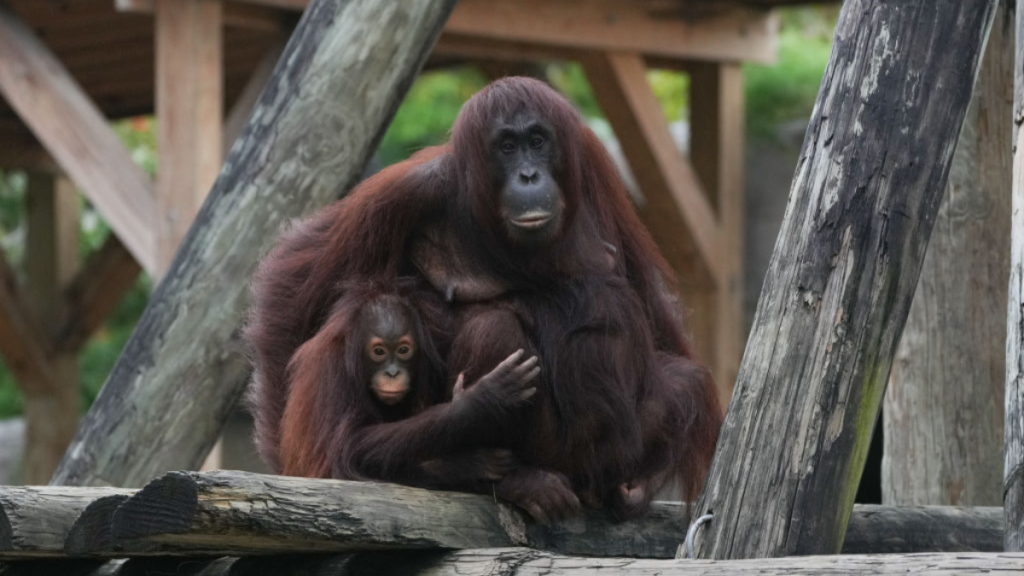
x=189 y=111
x=50 y=261
x=526 y=562
x=35 y=520
x=61 y=115
x=184 y=368
x=1013 y=465
x=610 y=25
x=94 y=293
x=716 y=150
x=184 y=514
x=23 y=341
x=943 y=410
x=676 y=209
x=874 y=163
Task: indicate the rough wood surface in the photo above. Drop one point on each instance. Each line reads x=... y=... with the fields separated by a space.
x=944 y=404
x=342 y=75
x=239 y=513
x=526 y=562
x=1013 y=467
x=865 y=196
x=35 y=520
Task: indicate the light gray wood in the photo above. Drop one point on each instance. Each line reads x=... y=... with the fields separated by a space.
x=239 y=513
x=944 y=404
x=865 y=195
x=342 y=76
x=1013 y=466
x=526 y=562
x=35 y=520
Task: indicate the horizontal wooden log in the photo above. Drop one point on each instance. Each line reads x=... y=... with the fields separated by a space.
x=527 y=562
x=35 y=520
x=239 y=513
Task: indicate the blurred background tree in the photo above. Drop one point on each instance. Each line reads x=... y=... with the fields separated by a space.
x=774 y=94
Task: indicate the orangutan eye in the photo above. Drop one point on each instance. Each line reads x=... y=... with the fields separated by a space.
x=508 y=147
x=404 y=350
x=379 y=351
x=536 y=142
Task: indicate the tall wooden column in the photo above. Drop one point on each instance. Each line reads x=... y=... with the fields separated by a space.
x=190 y=119
x=716 y=150
x=51 y=408
x=943 y=409
x=189 y=109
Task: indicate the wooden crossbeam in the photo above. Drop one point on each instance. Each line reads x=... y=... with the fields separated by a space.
x=94 y=293
x=555 y=29
x=23 y=342
x=677 y=211
x=72 y=128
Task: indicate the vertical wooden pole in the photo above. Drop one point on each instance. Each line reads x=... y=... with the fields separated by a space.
x=716 y=150
x=1013 y=467
x=190 y=116
x=874 y=163
x=51 y=410
x=189 y=109
x=943 y=411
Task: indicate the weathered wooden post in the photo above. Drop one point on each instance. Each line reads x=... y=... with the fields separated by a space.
x=865 y=195
x=944 y=405
x=1013 y=445
x=335 y=89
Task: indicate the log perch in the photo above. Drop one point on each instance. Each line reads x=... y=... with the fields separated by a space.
x=35 y=520
x=243 y=514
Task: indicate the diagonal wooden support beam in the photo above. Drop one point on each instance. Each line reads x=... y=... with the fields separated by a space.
x=72 y=128
x=874 y=163
x=23 y=342
x=677 y=211
x=94 y=293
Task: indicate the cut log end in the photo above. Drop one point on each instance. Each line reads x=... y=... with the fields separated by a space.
x=164 y=506
x=91 y=531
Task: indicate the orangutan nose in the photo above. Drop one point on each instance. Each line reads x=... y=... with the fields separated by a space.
x=391 y=372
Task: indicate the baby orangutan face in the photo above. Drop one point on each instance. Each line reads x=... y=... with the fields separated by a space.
x=390 y=351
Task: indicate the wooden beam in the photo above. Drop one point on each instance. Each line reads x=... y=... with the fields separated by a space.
x=676 y=210
x=189 y=112
x=245 y=15
x=716 y=149
x=185 y=368
x=35 y=520
x=183 y=514
x=23 y=341
x=1013 y=449
x=94 y=293
x=943 y=410
x=611 y=25
x=50 y=261
x=734 y=35
x=874 y=163
x=61 y=115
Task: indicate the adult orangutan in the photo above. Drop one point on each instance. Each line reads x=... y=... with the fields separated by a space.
x=523 y=224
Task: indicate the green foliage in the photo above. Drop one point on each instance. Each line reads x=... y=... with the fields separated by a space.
x=787 y=90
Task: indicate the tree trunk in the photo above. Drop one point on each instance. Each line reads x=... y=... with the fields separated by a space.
x=944 y=405
x=342 y=76
x=865 y=196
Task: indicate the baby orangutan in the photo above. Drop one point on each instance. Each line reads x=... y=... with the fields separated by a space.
x=367 y=401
